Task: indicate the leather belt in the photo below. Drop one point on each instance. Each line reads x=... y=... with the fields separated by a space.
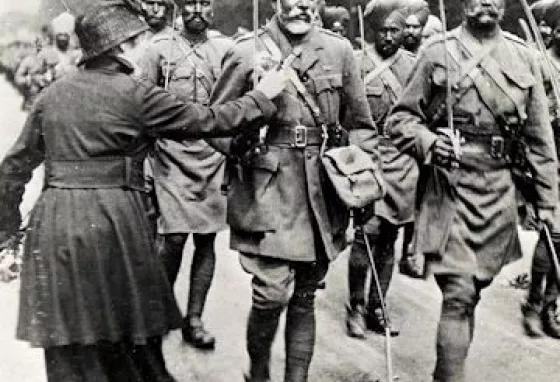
x=110 y=172
x=295 y=136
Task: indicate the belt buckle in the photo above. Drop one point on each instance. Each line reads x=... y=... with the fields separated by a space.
x=497 y=147
x=300 y=136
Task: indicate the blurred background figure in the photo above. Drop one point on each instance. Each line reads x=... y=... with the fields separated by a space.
x=412 y=33
x=336 y=19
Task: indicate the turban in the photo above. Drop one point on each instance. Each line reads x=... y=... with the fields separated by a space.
x=378 y=11
x=433 y=26
x=63 y=23
x=538 y=9
x=549 y=11
x=333 y=15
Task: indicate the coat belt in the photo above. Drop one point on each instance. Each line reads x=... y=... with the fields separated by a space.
x=295 y=136
x=109 y=172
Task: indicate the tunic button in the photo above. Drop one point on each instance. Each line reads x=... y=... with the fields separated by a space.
x=309 y=155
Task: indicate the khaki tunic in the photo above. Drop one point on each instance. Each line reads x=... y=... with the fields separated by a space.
x=287 y=209
x=467 y=216
x=400 y=171
x=187 y=174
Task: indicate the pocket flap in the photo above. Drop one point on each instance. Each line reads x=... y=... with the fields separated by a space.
x=375 y=90
x=521 y=79
x=350 y=160
x=268 y=161
x=323 y=83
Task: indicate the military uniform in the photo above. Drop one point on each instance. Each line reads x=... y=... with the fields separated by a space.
x=384 y=81
x=188 y=174
x=467 y=217
x=539 y=310
x=285 y=218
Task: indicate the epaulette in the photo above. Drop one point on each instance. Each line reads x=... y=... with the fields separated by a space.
x=248 y=36
x=515 y=38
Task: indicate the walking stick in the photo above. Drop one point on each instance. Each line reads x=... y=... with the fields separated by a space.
x=375 y=275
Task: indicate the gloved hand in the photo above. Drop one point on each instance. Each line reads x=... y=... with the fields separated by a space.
x=362 y=215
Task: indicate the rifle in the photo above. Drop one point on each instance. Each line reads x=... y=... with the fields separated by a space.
x=450 y=131
x=168 y=63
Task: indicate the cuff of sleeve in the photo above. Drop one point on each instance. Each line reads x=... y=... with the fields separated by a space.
x=425 y=143
x=267 y=106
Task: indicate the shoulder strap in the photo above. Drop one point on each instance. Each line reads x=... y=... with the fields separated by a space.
x=307 y=99
x=489 y=65
x=386 y=75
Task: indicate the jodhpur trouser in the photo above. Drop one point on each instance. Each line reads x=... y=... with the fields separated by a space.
x=279 y=284
x=461 y=294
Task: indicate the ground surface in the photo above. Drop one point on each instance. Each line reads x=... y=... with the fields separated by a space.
x=500 y=353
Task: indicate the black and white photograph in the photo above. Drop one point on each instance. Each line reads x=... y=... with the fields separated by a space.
x=279 y=190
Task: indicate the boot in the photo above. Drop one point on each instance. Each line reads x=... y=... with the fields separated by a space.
x=531 y=320
x=355 y=321
x=376 y=323
x=261 y=329
x=550 y=323
x=300 y=337
x=195 y=334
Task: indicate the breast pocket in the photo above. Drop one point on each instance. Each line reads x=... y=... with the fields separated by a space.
x=520 y=83
x=378 y=100
x=328 y=89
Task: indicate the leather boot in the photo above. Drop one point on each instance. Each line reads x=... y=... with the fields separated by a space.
x=550 y=323
x=300 y=337
x=376 y=323
x=195 y=334
x=261 y=329
x=531 y=320
x=355 y=321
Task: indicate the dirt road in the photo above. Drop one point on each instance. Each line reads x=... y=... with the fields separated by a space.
x=500 y=353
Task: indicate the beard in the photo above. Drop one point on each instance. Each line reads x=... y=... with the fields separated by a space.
x=484 y=19
x=155 y=22
x=411 y=41
x=62 y=44
x=387 y=49
x=195 y=23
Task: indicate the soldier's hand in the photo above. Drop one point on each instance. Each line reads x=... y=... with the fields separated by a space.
x=546 y=216
x=443 y=150
x=273 y=83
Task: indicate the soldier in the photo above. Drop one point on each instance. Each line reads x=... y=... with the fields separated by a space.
x=414 y=25
x=336 y=19
x=539 y=310
x=286 y=221
x=61 y=58
x=156 y=13
x=31 y=76
x=385 y=67
x=467 y=218
x=539 y=10
x=188 y=174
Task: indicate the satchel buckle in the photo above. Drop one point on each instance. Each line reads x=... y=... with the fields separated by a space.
x=300 y=136
x=497 y=147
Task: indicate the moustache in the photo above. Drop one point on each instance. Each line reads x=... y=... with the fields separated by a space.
x=306 y=17
x=492 y=12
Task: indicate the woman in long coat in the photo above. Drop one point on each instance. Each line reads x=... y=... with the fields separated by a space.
x=93 y=293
